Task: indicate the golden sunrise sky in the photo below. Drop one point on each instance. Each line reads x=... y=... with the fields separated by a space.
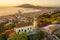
x=53 y=3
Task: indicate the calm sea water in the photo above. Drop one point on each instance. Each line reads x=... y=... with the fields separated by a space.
x=7 y=10
x=13 y=10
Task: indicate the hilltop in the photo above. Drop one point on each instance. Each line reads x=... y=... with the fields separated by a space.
x=33 y=6
x=29 y=6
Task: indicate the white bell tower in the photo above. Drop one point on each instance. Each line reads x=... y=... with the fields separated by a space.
x=34 y=22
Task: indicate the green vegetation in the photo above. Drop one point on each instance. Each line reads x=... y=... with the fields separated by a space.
x=40 y=34
x=32 y=37
x=3 y=36
x=2 y=26
x=46 y=19
x=15 y=36
x=8 y=27
x=52 y=17
x=57 y=33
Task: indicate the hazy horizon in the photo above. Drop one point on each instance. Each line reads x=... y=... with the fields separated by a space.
x=6 y=4
x=47 y=3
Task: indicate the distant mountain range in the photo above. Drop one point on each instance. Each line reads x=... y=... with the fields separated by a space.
x=28 y=6
x=33 y=6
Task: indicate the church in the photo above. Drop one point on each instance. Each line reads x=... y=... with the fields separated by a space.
x=28 y=27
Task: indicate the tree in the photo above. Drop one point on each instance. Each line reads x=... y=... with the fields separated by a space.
x=40 y=34
x=3 y=23
x=12 y=36
x=10 y=26
x=15 y=36
x=32 y=37
x=3 y=36
x=23 y=36
x=2 y=26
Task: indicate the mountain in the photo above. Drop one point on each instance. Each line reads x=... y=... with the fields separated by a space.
x=33 y=6
x=28 y=6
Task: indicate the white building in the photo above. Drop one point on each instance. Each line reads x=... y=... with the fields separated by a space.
x=26 y=27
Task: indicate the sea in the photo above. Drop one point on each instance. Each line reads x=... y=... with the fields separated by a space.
x=12 y=10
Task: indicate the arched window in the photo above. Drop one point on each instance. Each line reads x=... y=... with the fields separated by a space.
x=22 y=30
x=25 y=30
x=28 y=28
x=19 y=30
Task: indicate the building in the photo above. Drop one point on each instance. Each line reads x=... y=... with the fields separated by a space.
x=50 y=28
x=28 y=27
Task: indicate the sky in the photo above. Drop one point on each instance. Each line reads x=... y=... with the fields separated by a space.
x=49 y=3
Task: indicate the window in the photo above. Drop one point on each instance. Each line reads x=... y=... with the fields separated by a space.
x=19 y=30
x=25 y=30
x=22 y=29
x=28 y=28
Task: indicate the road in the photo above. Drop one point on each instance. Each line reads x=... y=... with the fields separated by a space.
x=51 y=36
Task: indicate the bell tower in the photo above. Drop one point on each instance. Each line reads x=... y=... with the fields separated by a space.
x=34 y=22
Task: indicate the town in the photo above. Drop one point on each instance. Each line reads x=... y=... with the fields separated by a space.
x=36 y=25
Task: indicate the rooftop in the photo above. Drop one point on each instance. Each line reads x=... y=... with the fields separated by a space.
x=23 y=24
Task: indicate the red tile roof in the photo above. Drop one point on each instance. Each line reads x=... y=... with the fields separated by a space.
x=23 y=24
